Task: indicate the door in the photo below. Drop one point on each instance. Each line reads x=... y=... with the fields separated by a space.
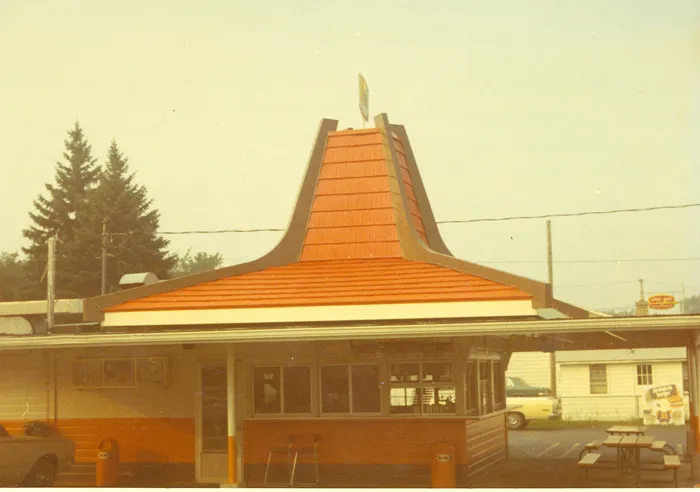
x=213 y=424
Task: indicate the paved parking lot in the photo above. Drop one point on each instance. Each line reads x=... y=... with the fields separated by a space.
x=568 y=443
x=548 y=459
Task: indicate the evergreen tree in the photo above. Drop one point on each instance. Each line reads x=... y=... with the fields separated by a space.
x=59 y=211
x=201 y=262
x=13 y=277
x=132 y=243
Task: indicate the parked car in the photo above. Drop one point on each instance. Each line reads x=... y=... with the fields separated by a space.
x=518 y=387
x=34 y=459
x=526 y=403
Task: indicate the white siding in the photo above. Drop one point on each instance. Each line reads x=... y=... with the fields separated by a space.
x=533 y=367
x=624 y=399
x=577 y=403
x=23 y=386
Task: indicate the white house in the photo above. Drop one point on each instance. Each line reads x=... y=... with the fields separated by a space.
x=605 y=384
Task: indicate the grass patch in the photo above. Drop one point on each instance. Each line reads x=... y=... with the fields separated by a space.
x=578 y=424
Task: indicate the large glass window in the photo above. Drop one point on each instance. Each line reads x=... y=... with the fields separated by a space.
x=282 y=390
x=422 y=388
x=350 y=388
x=214 y=404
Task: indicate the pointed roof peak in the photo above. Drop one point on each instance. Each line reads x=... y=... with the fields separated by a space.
x=362 y=198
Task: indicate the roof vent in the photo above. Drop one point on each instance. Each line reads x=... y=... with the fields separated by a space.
x=131 y=280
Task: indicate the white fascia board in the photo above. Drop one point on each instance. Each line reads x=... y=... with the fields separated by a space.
x=320 y=314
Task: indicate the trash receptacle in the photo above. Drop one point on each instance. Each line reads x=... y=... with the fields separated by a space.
x=443 y=469
x=107 y=469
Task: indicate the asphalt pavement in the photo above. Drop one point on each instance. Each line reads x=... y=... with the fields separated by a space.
x=568 y=443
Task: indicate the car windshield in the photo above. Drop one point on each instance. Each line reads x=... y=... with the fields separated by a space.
x=519 y=382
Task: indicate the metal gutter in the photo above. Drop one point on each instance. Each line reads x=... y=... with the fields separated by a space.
x=249 y=335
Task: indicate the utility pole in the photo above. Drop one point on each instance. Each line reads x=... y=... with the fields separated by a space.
x=104 y=256
x=550 y=279
x=682 y=297
x=50 y=284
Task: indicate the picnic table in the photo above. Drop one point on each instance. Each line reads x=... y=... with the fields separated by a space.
x=626 y=430
x=628 y=448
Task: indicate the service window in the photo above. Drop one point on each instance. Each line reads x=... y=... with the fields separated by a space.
x=485 y=387
x=350 y=389
x=499 y=378
x=471 y=381
x=282 y=390
x=422 y=388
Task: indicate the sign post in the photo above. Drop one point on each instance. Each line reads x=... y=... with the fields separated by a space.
x=364 y=99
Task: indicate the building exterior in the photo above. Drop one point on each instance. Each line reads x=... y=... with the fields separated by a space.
x=624 y=378
x=360 y=331
x=615 y=384
x=362 y=251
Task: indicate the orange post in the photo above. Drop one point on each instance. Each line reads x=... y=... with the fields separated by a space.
x=107 y=468
x=443 y=468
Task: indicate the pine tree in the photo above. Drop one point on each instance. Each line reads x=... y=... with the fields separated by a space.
x=58 y=212
x=133 y=245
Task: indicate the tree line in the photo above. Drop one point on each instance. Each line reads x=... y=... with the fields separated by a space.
x=85 y=197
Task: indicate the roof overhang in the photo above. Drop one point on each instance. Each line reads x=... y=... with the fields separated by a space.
x=679 y=326
x=28 y=308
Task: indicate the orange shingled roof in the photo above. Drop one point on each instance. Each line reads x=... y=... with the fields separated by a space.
x=334 y=282
x=362 y=232
x=352 y=214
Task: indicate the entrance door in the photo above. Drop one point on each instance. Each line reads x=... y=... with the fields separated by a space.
x=213 y=425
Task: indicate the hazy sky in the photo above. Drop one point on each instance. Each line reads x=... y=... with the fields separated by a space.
x=512 y=108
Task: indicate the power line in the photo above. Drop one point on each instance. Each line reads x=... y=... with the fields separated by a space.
x=638 y=260
x=465 y=221
x=574 y=214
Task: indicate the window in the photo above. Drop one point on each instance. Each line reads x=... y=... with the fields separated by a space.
x=644 y=376
x=422 y=388
x=282 y=390
x=486 y=387
x=471 y=380
x=352 y=388
x=598 y=378
x=499 y=379
x=214 y=404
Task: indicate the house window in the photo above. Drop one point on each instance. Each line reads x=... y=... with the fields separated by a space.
x=598 y=378
x=354 y=388
x=644 y=376
x=471 y=380
x=422 y=388
x=282 y=390
x=499 y=379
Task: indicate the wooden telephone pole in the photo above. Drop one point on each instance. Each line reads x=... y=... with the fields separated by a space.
x=550 y=279
x=104 y=256
x=51 y=284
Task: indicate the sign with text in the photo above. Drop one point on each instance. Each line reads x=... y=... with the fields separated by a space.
x=662 y=301
x=663 y=405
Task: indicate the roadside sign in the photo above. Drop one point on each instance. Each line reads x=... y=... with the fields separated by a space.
x=662 y=301
x=364 y=98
